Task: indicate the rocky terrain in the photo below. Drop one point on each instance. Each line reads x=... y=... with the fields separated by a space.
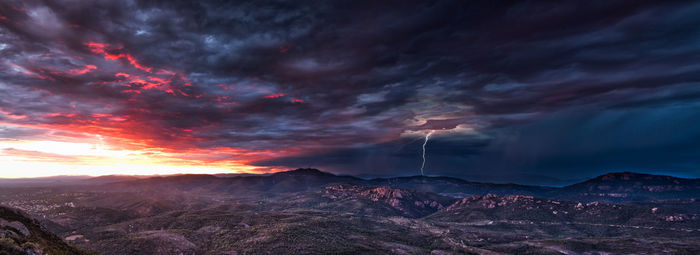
x=20 y=234
x=307 y=211
x=370 y=200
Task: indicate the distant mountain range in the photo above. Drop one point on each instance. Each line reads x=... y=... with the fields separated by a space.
x=520 y=179
x=612 y=187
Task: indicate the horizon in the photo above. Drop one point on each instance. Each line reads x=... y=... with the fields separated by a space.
x=553 y=183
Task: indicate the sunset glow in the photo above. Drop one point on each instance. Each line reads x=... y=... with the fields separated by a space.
x=50 y=158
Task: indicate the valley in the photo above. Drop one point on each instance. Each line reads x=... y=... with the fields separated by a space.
x=306 y=211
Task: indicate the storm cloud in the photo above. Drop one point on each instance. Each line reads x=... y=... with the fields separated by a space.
x=562 y=89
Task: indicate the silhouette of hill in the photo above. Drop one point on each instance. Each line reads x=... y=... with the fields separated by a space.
x=627 y=186
x=614 y=187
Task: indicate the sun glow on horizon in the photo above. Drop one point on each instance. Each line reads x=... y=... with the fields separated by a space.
x=26 y=159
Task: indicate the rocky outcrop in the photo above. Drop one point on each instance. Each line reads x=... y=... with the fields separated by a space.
x=14 y=226
x=532 y=209
x=20 y=234
x=408 y=202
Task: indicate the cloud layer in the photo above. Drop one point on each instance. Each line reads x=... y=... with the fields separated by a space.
x=559 y=89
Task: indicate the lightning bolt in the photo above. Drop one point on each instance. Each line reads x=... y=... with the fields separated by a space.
x=427 y=136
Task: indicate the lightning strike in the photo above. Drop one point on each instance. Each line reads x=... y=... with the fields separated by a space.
x=427 y=136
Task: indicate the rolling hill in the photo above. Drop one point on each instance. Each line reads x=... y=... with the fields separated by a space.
x=307 y=211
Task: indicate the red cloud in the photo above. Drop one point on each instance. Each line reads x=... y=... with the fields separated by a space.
x=101 y=48
x=125 y=75
x=87 y=69
x=278 y=95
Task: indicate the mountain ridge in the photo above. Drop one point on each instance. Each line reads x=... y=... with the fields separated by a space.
x=611 y=187
x=475 y=179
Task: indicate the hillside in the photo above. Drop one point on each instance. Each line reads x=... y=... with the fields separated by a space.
x=20 y=234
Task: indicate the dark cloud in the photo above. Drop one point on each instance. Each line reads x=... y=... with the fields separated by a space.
x=399 y=157
x=343 y=84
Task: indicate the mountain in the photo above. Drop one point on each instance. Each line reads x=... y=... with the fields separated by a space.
x=20 y=234
x=305 y=180
x=277 y=184
x=53 y=181
x=104 y=179
x=626 y=186
x=522 y=179
x=614 y=187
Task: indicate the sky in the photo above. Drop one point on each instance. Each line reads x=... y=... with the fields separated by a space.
x=507 y=89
